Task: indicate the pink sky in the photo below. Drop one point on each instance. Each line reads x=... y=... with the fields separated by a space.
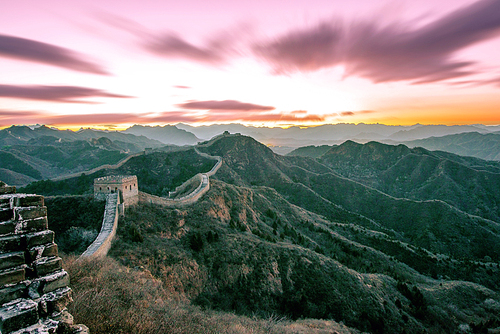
x=116 y=63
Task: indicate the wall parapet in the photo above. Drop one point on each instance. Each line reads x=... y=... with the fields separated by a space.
x=190 y=198
x=102 y=244
x=34 y=288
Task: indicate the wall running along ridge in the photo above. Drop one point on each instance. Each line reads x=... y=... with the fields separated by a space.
x=102 y=244
x=34 y=288
x=194 y=196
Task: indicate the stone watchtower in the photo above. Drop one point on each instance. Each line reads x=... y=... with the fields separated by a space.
x=125 y=185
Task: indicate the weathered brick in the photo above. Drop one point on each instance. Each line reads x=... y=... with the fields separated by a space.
x=48 y=283
x=12 y=275
x=13 y=291
x=5 y=201
x=13 y=259
x=30 y=212
x=65 y=317
x=23 y=226
x=55 y=301
x=8 y=190
x=47 y=265
x=55 y=281
x=29 y=200
x=18 y=314
x=39 y=238
x=6 y=214
x=34 y=225
x=10 y=243
x=7 y=227
x=37 y=252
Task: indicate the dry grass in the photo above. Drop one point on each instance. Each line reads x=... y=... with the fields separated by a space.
x=111 y=298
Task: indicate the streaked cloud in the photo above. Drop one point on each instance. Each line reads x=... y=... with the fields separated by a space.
x=354 y=113
x=215 y=50
x=43 y=53
x=227 y=105
x=66 y=94
x=181 y=87
x=384 y=53
x=303 y=50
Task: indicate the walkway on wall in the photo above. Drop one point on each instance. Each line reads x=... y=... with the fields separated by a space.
x=93 y=170
x=202 y=188
x=102 y=243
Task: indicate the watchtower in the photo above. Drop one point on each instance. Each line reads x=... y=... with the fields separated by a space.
x=125 y=185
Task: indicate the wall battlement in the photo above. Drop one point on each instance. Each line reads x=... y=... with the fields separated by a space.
x=125 y=185
x=34 y=288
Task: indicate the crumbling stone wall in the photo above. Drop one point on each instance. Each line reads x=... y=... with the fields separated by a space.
x=34 y=288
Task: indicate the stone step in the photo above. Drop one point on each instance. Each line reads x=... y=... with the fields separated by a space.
x=18 y=314
x=12 y=259
x=13 y=275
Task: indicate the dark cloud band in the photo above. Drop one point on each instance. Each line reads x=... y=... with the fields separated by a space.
x=229 y=105
x=387 y=53
x=68 y=94
x=30 y=50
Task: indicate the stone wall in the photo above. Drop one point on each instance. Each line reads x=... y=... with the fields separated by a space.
x=34 y=288
x=193 y=182
x=102 y=243
x=185 y=200
x=125 y=185
x=93 y=170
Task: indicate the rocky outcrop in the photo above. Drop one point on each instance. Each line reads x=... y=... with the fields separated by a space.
x=34 y=288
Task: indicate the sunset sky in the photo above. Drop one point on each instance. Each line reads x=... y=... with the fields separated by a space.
x=112 y=64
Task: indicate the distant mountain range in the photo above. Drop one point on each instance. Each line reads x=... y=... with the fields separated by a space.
x=473 y=140
x=32 y=151
x=168 y=134
x=28 y=154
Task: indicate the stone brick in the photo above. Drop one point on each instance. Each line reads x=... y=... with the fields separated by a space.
x=47 y=265
x=13 y=259
x=37 y=252
x=55 y=301
x=49 y=283
x=55 y=281
x=13 y=291
x=8 y=190
x=12 y=275
x=33 y=225
x=6 y=214
x=23 y=226
x=10 y=243
x=5 y=201
x=29 y=200
x=39 y=238
x=8 y=227
x=63 y=316
x=44 y=326
x=18 y=314
x=30 y=212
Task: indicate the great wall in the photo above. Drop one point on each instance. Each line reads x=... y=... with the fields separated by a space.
x=34 y=289
x=122 y=191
